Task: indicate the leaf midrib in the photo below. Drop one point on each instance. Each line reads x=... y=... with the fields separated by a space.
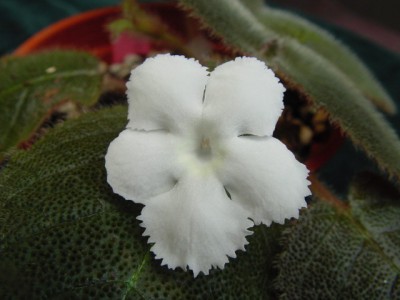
x=366 y=235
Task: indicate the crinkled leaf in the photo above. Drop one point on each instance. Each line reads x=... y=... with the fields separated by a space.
x=65 y=234
x=341 y=254
x=32 y=86
x=305 y=69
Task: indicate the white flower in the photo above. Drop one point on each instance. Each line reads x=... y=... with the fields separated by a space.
x=192 y=138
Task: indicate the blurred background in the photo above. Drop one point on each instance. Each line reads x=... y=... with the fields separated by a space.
x=378 y=21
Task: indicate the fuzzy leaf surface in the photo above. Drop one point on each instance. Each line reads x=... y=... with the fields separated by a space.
x=32 y=86
x=287 y=24
x=64 y=234
x=305 y=70
x=336 y=254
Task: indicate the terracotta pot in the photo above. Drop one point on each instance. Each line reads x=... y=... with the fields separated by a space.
x=86 y=31
x=94 y=37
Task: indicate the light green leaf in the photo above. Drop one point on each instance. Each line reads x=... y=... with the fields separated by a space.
x=339 y=254
x=32 y=86
x=302 y=68
x=287 y=24
x=65 y=235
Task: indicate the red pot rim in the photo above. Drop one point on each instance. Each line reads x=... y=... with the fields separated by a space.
x=52 y=36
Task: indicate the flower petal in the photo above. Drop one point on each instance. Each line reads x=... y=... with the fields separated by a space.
x=243 y=97
x=195 y=225
x=141 y=164
x=166 y=92
x=265 y=178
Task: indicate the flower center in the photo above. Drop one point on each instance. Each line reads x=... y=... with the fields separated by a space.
x=201 y=150
x=205 y=150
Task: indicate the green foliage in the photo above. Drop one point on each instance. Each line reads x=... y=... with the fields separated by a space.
x=233 y=22
x=309 y=69
x=376 y=204
x=333 y=253
x=65 y=234
x=31 y=87
x=287 y=24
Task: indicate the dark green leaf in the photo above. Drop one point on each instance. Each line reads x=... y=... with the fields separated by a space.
x=32 y=86
x=64 y=234
x=339 y=254
x=376 y=204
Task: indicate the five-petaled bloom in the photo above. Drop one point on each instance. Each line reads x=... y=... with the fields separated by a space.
x=198 y=152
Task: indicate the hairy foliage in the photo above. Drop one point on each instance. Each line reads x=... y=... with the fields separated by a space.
x=287 y=24
x=32 y=86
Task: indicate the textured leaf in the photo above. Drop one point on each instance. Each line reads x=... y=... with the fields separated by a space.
x=31 y=86
x=65 y=234
x=378 y=210
x=304 y=69
x=287 y=24
x=333 y=254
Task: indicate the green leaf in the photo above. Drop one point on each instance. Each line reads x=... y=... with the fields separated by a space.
x=303 y=68
x=340 y=254
x=287 y=24
x=376 y=204
x=233 y=22
x=32 y=86
x=64 y=234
